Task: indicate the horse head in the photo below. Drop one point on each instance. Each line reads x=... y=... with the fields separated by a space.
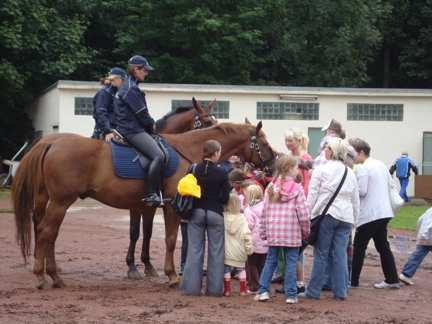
x=261 y=154
x=203 y=115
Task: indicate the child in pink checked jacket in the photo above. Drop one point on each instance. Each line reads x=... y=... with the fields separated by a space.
x=284 y=222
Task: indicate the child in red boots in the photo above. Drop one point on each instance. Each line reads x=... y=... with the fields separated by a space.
x=238 y=244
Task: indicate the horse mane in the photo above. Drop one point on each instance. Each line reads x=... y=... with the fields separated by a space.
x=160 y=123
x=228 y=128
x=177 y=111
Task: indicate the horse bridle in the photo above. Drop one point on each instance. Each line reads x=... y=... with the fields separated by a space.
x=197 y=123
x=255 y=145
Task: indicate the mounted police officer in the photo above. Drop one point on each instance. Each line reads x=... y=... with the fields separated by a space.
x=135 y=124
x=103 y=105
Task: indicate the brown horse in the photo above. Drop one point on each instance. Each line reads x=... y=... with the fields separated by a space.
x=80 y=167
x=178 y=121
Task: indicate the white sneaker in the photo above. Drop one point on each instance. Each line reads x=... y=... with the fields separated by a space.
x=264 y=296
x=406 y=280
x=384 y=285
x=292 y=301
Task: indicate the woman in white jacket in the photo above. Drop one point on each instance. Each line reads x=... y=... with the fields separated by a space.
x=238 y=244
x=253 y=212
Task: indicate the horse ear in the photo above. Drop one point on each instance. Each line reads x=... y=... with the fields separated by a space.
x=196 y=105
x=258 y=128
x=247 y=121
x=210 y=104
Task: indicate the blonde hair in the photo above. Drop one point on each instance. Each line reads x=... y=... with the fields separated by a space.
x=283 y=165
x=338 y=147
x=296 y=134
x=233 y=206
x=253 y=192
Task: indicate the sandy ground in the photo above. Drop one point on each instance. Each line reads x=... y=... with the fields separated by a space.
x=91 y=250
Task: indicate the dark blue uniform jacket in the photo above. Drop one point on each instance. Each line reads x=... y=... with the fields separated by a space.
x=131 y=111
x=103 y=105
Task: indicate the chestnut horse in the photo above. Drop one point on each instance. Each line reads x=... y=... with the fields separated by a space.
x=178 y=121
x=74 y=167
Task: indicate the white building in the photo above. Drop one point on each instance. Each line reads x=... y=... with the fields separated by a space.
x=390 y=120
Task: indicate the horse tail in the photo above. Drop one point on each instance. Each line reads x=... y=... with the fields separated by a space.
x=23 y=191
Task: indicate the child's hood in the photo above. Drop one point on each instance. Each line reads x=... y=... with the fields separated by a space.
x=257 y=209
x=233 y=222
x=289 y=190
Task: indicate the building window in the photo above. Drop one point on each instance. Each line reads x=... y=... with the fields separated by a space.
x=288 y=110
x=83 y=106
x=383 y=112
x=220 y=108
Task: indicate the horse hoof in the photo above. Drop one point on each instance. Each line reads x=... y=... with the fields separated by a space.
x=175 y=285
x=134 y=274
x=151 y=273
x=44 y=286
x=59 y=284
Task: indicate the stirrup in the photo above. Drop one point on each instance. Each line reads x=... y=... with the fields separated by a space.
x=155 y=200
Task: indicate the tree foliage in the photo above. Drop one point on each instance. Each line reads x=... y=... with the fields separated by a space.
x=40 y=44
x=326 y=43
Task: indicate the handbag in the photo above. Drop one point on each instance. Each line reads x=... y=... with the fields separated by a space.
x=315 y=222
x=396 y=201
x=183 y=205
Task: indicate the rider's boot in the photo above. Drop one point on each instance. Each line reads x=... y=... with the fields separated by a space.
x=154 y=171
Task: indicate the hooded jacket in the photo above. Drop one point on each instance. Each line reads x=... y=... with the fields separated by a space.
x=284 y=223
x=238 y=240
x=253 y=217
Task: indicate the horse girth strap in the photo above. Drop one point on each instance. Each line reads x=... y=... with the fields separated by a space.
x=255 y=145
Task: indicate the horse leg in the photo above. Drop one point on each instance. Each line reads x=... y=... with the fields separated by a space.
x=148 y=217
x=41 y=204
x=172 y=222
x=134 y=232
x=47 y=232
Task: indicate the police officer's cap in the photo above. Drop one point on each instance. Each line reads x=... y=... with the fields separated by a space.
x=117 y=72
x=140 y=61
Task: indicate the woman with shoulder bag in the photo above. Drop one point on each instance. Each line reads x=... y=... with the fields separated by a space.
x=207 y=217
x=338 y=222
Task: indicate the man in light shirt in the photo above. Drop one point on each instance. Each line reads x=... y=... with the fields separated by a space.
x=375 y=213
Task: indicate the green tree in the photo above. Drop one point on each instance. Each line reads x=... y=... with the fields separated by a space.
x=40 y=43
x=321 y=43
x=416 y=48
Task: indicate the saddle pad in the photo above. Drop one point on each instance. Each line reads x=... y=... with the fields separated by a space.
x=124 y=166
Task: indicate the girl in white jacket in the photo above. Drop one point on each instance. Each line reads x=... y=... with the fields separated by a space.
x=238 y=244
x=253 y=212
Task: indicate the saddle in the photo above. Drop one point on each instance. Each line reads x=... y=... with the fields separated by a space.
x=126 y=158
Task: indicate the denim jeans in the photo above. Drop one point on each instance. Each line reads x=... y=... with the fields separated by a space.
x=333 y=235
x=416 y=259
x=291 y=257
x=404 y=185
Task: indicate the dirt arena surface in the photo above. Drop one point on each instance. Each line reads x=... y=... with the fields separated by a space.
x=91 y=250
